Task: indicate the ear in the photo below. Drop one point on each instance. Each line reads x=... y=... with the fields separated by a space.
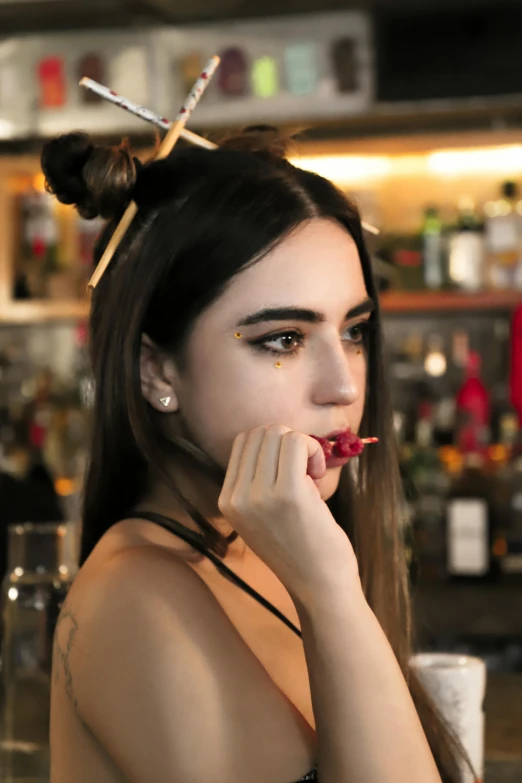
x=158 y=376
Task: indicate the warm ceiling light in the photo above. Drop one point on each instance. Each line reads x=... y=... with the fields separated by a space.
x=345 y=169
x=494 y=160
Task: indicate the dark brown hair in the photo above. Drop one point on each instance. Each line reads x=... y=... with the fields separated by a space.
x=204 y=215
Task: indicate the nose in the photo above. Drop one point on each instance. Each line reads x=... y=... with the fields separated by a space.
x=335 y=382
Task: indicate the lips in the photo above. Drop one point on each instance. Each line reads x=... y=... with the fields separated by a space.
x=333 y=435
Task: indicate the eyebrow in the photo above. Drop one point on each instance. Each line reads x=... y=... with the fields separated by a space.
x=303 y=314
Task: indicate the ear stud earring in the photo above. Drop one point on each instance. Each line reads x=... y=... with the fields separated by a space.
x=165 y=401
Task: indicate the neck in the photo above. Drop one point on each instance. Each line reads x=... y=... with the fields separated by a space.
x=200 y=492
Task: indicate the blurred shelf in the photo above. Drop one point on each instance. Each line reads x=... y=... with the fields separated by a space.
x=432 y=301
x=457 y=610
x=41 y=311
x=394 y=302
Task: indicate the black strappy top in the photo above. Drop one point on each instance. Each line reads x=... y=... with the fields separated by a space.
x=196 y=541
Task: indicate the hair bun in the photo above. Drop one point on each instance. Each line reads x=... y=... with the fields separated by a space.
x=265 y=140
x=97 y=180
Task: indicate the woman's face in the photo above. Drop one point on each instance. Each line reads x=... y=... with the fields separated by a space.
x=231 y=384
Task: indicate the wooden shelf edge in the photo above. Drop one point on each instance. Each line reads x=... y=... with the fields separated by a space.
x=432 y=301
x=396 y=302
x=38 y=311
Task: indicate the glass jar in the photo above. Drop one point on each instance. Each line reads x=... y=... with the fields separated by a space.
x=42 y=563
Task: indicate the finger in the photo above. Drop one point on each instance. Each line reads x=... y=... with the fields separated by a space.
x=299 y=456
x=268 y=460
x=316 y=467
x=233 y=464
x=249 y=457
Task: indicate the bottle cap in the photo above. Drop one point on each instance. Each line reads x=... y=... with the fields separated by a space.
x=509 y=189
x=474 y=362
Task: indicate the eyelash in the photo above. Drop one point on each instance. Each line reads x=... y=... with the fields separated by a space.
x=260 y=344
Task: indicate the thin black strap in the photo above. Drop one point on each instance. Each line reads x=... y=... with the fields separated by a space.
x=197 y=541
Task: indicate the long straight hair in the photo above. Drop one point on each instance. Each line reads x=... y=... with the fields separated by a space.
x=204 y=216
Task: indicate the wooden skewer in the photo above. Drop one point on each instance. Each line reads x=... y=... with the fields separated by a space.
x=366 y=441
x=166 y=147
x=370 y=229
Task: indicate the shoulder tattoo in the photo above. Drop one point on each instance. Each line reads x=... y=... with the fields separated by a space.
x=64 y=636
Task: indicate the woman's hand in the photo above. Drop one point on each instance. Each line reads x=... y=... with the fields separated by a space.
x=270 y=498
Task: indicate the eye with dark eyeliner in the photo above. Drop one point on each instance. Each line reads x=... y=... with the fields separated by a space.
x=262 y=343
x=358 y=333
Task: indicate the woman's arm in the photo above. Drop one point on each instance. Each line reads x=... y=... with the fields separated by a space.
x=368 y=730
x=155 y=669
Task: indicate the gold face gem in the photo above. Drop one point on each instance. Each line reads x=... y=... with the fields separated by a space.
x=278 y=365
x=238 y=335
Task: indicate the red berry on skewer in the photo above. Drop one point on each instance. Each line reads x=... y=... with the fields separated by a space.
x=348 y=444
x=325 y=443
x=345 y=445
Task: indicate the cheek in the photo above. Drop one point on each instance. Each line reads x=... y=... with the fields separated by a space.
x=360 y=374
x=220 y=399
x=222 y=396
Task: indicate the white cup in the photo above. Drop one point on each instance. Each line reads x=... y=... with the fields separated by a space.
x=457 y=684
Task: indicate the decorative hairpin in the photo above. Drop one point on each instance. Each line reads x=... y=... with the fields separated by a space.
x=175 y=130
x=143 y=112
x=165 y=149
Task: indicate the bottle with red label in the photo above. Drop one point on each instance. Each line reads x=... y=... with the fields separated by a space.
x=473 y=405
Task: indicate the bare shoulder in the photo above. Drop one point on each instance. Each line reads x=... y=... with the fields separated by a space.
x=135 y=604
x=107 y=603
x=148 y=661
x=138 y=578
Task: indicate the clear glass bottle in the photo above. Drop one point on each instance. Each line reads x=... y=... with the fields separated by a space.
x=433 y=249
x=504 y=237
x=466 y=257
x=42 y=563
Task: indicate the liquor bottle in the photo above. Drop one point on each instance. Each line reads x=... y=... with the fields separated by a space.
x=504 y=237
x=471 y=523
x=407 y=259
x=512 y=512
x=466 y=268
x=515 y=376
x=473 y=407
x=433 y=249
x=40 y=235
x=431 y=485
x=512 y=562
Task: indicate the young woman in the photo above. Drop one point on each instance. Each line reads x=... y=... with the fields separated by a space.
x=241 y=614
